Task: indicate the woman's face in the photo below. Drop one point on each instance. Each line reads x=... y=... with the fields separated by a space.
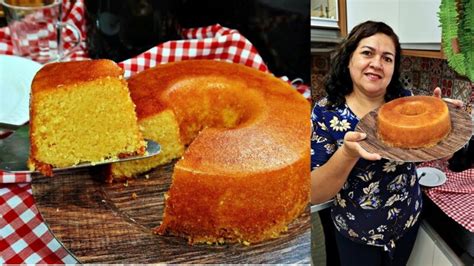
x=372 y=64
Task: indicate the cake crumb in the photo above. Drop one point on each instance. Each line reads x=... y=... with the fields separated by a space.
x=125 y=184
x=147 y=176
x=246 y=243
x=134 y=196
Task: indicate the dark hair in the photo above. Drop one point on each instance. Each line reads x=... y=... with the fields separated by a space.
x=338 y=82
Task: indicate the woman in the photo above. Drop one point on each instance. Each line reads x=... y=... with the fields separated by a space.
x=377 y=202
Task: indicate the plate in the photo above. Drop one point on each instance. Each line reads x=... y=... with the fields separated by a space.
x=431 y=177
x=16 y=74
x=460 y=134
x=104 y=223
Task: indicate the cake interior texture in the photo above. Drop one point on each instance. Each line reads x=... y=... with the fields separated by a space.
x=161 y=128
x=83 y=121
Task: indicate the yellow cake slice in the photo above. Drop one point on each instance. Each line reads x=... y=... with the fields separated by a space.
x=81 y=112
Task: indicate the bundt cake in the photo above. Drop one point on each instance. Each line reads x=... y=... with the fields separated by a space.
x=81 y=112
x=413 y=122
x=246 y=172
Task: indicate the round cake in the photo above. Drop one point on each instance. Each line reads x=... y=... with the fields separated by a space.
x=245 y=172
x=413 y=122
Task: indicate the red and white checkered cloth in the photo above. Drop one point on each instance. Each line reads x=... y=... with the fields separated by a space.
x=24 y=237
x=456 y=196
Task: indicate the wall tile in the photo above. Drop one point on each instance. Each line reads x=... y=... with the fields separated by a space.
x=416 y=79
x=425 y=63
x=448 y=72
x=425 y=82
x=317 y=91
x=406 y=64
x=407 y=80
x=446 y=87
x=435 y=82
x=436 y=67
x=320 y=63
x=319 y=68
x=462 y=90
x=469 y=107
x=416 y=62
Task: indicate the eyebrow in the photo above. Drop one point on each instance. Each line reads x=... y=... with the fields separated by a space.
x=372 y=49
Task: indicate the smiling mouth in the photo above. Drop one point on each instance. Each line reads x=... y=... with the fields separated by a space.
x=373 y=76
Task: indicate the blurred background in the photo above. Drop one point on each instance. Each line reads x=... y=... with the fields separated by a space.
x=120 y=29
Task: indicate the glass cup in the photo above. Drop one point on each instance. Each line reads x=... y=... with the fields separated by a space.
x=37 y=31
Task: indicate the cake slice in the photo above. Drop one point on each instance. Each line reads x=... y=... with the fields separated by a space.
x=81 y=112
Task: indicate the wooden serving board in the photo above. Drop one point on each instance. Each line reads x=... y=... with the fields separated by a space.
x=460 y=134
x=101 y=223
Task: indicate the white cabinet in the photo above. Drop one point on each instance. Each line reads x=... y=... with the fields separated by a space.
x=414 y=21
x=361 y=10
x=418 y=21
x=431 y=250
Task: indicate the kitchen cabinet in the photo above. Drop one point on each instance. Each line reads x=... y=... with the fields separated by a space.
x=329 y=14
x=418 y=23
x=414 y=21
x=328 y=25
x=431 y=250
x=324 y=13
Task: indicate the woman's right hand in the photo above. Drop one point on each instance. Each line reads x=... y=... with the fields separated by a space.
x=352 y=148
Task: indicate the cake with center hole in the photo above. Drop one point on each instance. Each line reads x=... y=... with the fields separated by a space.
x=245 y=173
x=81 y=112
x=413 y=122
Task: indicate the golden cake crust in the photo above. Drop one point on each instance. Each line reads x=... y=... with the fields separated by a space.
x=245 y=175
x=55 y=75
x=413 y=122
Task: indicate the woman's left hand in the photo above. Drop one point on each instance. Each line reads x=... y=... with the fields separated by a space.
x=457 y=103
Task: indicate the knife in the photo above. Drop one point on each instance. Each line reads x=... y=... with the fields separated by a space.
x=15 y=149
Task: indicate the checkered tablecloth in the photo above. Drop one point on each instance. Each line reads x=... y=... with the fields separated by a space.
x=456 y=196
x=24 y=237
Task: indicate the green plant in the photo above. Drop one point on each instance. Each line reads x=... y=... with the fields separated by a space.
x=457 y=25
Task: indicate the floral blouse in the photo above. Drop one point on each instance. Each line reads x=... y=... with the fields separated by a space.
x=380 y=199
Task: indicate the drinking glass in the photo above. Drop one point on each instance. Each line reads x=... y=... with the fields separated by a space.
x=37 y=31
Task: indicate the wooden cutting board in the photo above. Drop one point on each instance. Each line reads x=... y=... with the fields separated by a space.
x=102 y=223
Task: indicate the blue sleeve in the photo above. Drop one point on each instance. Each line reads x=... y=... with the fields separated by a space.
x=407 y=92
x=323 y=144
